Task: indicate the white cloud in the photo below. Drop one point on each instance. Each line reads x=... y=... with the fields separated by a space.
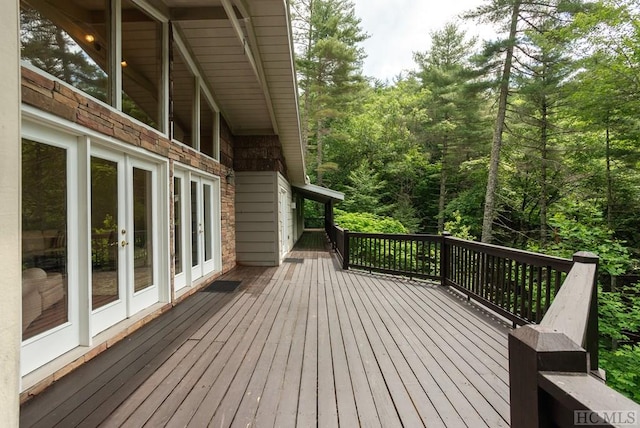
x=399 y=28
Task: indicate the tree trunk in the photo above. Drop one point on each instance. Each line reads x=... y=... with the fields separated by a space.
x=307 y=89
x=543 y=173
x=494 y=163
x=609 y=182
x=443 y=186
x=319 y=160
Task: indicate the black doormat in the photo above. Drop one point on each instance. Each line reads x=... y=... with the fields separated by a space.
x=222 y=287
x=293 y=260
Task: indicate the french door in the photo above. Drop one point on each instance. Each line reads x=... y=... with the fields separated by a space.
x=196 y=227
x=202 y=234
x=124 y=237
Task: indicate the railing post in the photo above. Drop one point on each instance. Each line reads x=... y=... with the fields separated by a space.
x=444 y=258
x=345 y=250
x=533 y=349
x=591 y=341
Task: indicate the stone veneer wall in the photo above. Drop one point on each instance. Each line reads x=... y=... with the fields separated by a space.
x=58 y=99
x=259 y=153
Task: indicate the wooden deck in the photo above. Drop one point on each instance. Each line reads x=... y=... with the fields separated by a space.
x=305 y=344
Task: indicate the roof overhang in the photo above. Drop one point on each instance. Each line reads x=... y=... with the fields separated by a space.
x=318 y=193
x=244 y=49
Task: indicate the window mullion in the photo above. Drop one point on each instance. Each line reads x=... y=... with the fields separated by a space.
x=115 y=57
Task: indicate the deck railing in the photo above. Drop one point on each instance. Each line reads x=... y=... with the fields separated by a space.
x=554 y=355
x=551 y=365
x=519 y=285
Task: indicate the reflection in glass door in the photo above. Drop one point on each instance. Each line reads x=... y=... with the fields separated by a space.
x=196 y=226
x=105 y=218
x=142 y=230
x=180 y=279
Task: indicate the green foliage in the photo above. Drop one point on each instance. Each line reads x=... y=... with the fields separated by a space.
x=457 y=228
x=418 y=148
x=368 y=223
x=579 y=226
x=621 y=366
x=365 y=192
x=619 y=311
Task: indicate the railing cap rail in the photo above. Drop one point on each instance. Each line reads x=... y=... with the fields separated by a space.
x=511 y=252
x=585 y=257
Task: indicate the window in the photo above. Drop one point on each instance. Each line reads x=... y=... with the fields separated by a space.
x=182 y=98
x=208 y=128
x=125 y=60
x=68 y=40
x=141 y=65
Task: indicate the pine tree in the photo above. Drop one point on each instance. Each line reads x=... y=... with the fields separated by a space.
x=329 y=64
x=453 y=103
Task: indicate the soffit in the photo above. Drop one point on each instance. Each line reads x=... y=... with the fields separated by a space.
x=256 y=97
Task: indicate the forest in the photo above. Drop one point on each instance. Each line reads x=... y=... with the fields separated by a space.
x=527 y=140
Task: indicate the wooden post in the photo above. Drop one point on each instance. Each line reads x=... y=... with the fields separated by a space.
x=444 y=258
x=532 y=349
x=345 y=250
x=591 y=341
x=328 y=215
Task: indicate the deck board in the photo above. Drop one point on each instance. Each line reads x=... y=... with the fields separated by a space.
x=304 y=344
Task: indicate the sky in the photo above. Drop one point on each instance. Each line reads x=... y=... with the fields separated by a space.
x=400 y=27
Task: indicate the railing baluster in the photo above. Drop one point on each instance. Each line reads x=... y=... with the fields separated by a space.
x=515 y=288
x=538 y=294
x=523 y=291
x=547 y=288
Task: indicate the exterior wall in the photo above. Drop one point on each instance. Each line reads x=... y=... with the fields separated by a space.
x=260 y=174
x=258 y=201
x=58 y=99
x=10 y=252
x=256 y=218
x=74 y=108
x=261 y=153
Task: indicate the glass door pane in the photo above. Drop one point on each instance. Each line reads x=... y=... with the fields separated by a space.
x=44 y=244
x=195 y=225
x=177 y=224
x=104 y=232
x=207 y=195
x=142 y=229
